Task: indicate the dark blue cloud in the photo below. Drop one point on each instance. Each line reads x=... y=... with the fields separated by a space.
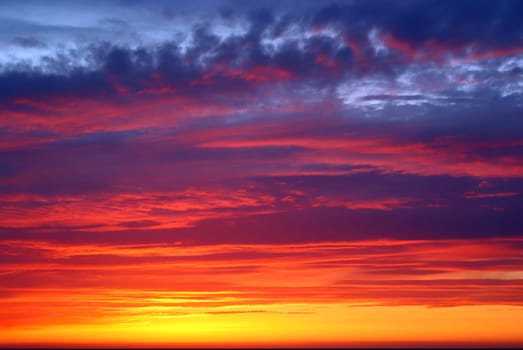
x=29 y=42
x=487 y=23
x=101 y=68
x=464 y=117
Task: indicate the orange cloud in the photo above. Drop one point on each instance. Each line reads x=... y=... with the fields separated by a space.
x=474 y=195
x=125 y=210
x=387 y=154
x=88 y=286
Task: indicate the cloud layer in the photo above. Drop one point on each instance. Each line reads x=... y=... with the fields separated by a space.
x=164 y=160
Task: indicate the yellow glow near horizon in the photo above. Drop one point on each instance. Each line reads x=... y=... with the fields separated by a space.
x=303 y=295
x=285 y=325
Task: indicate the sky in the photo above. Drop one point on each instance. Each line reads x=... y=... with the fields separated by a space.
x=312 y=173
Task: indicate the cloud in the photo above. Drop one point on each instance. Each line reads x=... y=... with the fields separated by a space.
x=421 y=23
x=275 y=47
x=204 y=161
x=29 y=42
x=414 y=272
x=474 y=195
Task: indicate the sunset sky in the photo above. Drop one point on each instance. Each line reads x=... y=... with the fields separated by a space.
x=260 y=173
